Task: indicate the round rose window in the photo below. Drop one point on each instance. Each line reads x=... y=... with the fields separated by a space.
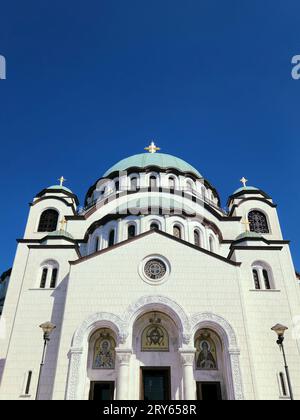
x=155 y=269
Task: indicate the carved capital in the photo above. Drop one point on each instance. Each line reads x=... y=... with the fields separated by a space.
x=123 y=356
x=187 y=356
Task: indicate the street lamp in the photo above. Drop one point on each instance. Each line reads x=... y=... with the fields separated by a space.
x=280 y=330
x=47 y=328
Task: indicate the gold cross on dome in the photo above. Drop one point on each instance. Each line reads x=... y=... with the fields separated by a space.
x=152 y=148
x=62 y=180
x=247 y=224
x=244 y=181
x=63 y=223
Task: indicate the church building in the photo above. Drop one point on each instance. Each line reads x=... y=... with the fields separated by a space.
x=150 y=291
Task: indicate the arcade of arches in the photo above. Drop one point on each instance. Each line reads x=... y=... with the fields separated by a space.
x=157 y=367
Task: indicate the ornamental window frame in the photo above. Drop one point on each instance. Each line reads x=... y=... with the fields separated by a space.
x=145 y=278
x=263 y=213
x=47 y=209
x=261 y=267
x=48 y=269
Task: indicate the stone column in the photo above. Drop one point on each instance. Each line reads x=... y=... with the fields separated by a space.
x=123 y=358
x=189 y=384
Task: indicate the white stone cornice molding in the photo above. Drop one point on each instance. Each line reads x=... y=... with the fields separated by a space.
x=101 y=320
x=231 y=349
x=162 y=304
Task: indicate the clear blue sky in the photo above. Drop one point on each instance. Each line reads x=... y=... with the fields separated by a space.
x=89 y=83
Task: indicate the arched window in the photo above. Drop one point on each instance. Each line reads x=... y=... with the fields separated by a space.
x=211 y=244
x=111 y=238
x=134 y=183
x=53 y=278
x=44 y=278
x=153 y=181
x=154 y=225
x=256 y=279
x=131 y=231
x=266 y=280
x=49 y=275
x=262 y=276
x=172 y=183
x=258 y=222
x=177 y=232
x=48 y=221
x=197 y=238
x=189 y=186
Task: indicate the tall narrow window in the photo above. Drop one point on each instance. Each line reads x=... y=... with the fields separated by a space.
x=53 y=278
x=44 y=278
x=258 y=222
x=28 y=383
x=177 y=232
x=266 y=279
x=197 y=239
x=133 y=184
x=153 y=181
x=111 y=239
x=117 y=186
x=48 y=221
x=189 y=186
x=172 y=183
x=256 y=279
x=131 y=231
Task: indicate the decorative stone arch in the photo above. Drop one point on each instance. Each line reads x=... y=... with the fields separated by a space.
x=161 y=304
x=232 y=354
x=79 y=350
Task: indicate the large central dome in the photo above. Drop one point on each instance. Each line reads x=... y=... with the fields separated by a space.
x=160 y=160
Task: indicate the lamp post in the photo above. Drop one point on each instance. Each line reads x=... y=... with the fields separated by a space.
x=47 y=328
x=280 y=330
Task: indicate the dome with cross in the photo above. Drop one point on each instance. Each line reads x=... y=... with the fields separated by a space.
x=152 y=158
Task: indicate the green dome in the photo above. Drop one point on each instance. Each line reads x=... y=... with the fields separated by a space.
x=246 y=235
x=59 y=187
x=245 y=189
x=61 y=233
x=161 y=160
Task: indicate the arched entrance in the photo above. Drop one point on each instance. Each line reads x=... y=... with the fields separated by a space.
x=156 y=332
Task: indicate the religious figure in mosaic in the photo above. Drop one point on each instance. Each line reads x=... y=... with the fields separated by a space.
x=104 y=356
x=206 y=357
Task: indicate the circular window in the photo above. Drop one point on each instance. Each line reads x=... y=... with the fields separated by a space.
x=155 y=269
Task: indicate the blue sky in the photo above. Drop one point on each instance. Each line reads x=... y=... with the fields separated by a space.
x=89 y=83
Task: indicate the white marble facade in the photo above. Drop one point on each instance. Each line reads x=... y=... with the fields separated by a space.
x=151 y=247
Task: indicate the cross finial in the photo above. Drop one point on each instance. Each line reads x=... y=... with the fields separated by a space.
x=62 y=180
x=247 y=224
x=244 y=181
x=63 y=222
x=152 y=148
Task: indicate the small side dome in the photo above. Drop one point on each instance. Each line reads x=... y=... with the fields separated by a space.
x=247 y=235
x=59 y=187
x=61 y=233
x=245 y=189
